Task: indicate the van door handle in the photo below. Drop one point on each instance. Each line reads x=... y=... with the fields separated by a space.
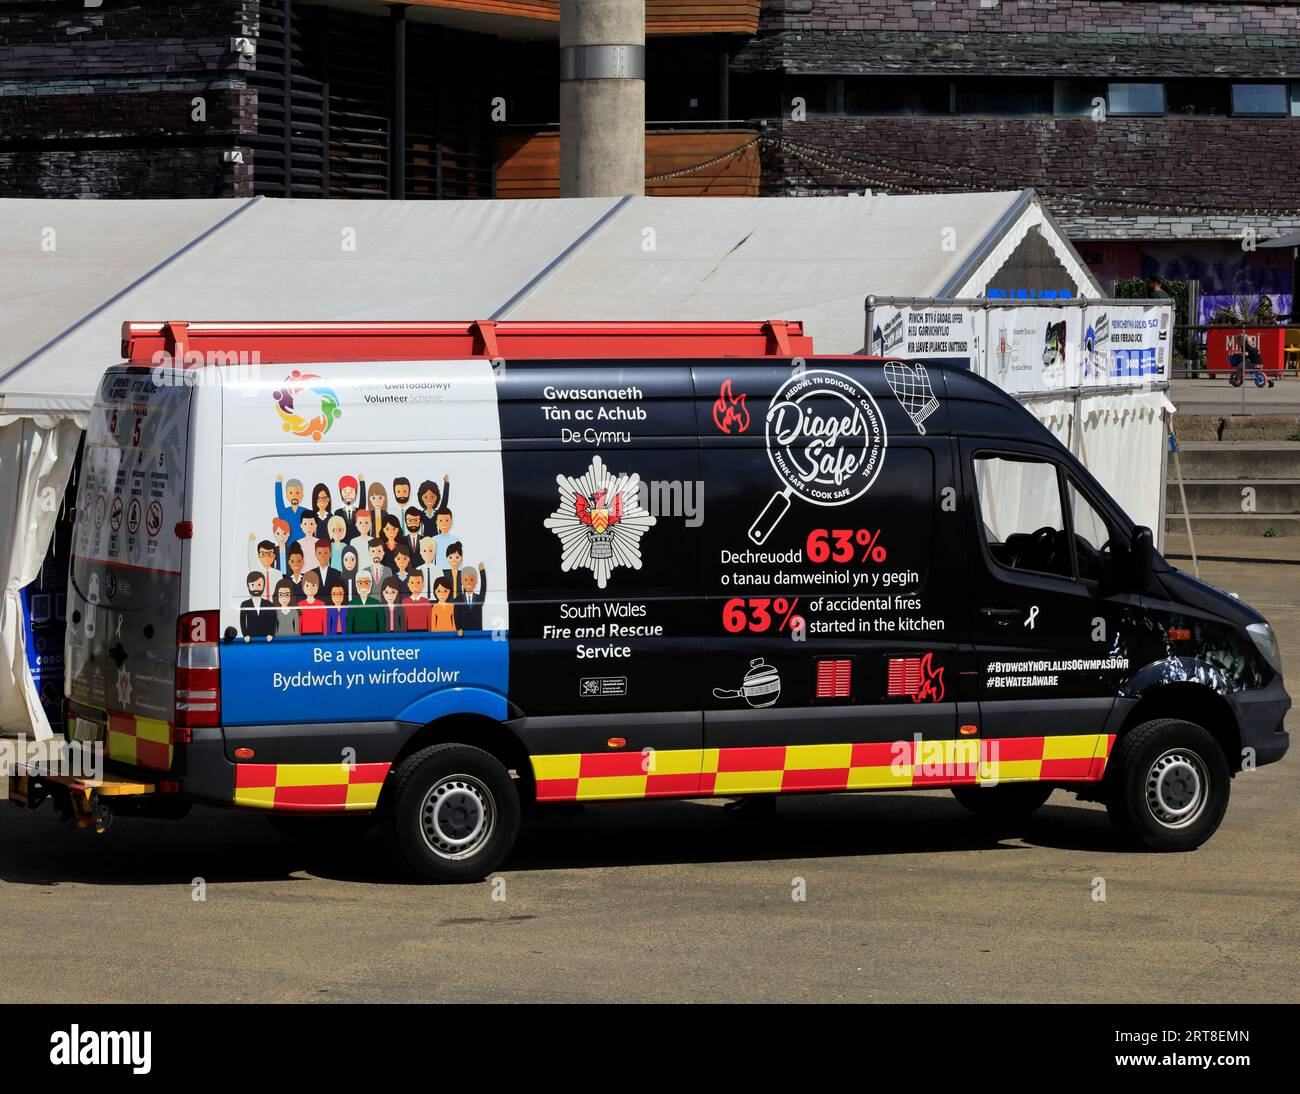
x=1002 y=616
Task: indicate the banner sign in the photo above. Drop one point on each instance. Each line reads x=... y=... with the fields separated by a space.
x=925 y=331
x=1032 y=348
x=1126 y=344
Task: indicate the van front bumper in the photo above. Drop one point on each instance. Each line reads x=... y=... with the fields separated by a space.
x=1260 y=712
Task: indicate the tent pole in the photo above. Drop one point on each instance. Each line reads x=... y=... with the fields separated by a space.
x=1182 y=494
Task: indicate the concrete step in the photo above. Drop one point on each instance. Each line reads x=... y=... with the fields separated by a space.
x=1236 y=524
x=1241 y=462
x=1228 y=498
x=1275 y=549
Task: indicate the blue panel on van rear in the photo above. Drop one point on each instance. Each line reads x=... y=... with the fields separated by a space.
x=410 y=678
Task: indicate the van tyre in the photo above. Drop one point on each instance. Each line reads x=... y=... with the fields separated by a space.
x=452 y=813
x=1168 y=786
x=1004 y=802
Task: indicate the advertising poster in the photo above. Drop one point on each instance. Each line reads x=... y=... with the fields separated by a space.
x=929 y=331
x=1126 y=344
x=1033 y=349
x=361 y=580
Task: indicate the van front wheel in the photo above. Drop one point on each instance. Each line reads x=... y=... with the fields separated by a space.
x=1168 y=785
x=452 y=813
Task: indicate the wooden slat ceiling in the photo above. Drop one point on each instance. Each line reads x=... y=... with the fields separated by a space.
x=661 y=16
x=528 y=164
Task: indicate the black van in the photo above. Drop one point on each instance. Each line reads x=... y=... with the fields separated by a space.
x=431 y=592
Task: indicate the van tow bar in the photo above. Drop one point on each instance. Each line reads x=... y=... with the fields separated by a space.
x=87 y=801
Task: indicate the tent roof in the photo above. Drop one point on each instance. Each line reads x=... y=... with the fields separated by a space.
x=813 y=259
x=1286 y=239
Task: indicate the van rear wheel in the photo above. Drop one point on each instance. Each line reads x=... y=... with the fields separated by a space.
x=452 y=813
x=1004 y=802
x=1168 y=786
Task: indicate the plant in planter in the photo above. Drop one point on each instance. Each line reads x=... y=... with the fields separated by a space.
x=1245 y=311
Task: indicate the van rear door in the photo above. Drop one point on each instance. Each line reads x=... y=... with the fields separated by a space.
x=124 y=592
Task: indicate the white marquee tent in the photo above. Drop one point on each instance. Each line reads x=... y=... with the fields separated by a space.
x=74 y=271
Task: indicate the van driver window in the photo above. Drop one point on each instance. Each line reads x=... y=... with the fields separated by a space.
x=1020 y=509
x=1091 y=535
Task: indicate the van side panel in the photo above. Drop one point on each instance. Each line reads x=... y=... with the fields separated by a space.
x=604 y=508
x=854 y=580
x=341 y=629
x=664 y=578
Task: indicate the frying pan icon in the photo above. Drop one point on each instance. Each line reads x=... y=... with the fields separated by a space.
x=851 y=397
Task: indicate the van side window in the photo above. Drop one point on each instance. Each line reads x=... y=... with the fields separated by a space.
x=1091 y=535
x=1020 y=510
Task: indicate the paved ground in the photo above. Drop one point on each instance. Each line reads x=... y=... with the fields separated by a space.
x=1217 y=396
x=906 y=900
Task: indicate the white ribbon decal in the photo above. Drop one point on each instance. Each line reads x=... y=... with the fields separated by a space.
x=1033 y=614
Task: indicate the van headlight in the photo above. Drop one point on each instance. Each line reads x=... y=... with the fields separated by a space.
x=1266 y=642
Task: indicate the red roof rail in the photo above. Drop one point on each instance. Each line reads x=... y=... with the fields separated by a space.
x=191 y=344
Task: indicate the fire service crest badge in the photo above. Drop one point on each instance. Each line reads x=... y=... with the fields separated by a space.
x=600 y=521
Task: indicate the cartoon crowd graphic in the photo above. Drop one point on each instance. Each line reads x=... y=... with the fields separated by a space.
x=370 y=562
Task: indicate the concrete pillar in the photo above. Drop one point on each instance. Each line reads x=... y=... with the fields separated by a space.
x=602 y=98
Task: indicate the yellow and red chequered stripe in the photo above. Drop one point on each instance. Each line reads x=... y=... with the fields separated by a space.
x=309 y=787
x=592 y=776
x=141 y=742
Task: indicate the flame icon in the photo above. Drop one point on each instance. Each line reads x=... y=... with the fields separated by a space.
x=931 y=682
x=729 y=411
x=915 y=677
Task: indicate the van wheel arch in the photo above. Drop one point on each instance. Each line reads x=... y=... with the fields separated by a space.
x=480 y=732
x=1190 y=702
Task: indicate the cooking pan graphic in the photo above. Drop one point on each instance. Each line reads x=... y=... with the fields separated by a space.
x=826 y=441
x=760 y=688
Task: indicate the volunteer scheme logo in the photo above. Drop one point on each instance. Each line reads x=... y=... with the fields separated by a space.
x=826 y=442
x=307 y=407
x=599 y=521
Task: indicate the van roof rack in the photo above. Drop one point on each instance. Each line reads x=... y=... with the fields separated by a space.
x=193 y=344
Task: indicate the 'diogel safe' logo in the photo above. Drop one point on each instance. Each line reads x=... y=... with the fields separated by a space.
x=826 y=441
x=306 y=406
x=600 y=521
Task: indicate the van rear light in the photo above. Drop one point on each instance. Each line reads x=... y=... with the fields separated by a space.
x=198 y=671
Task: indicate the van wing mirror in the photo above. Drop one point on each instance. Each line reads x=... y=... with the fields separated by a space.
x=1142 y=557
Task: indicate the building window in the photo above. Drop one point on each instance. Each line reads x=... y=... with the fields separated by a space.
x=815 y=95
x=1260 y=99
x=1133 y=98
x=1004 y=97
x=898 y=96
x=1197 y=97
x=1076 y=98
